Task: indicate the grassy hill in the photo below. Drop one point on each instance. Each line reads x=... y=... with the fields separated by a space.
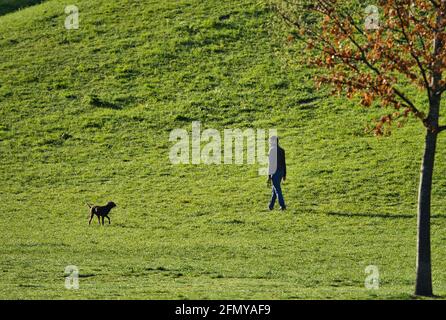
x=85 y=115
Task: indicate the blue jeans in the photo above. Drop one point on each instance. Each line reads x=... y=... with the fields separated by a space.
x=277 y=190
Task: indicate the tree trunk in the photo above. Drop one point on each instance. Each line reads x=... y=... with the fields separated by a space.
x=424 y=276
x=423 y=285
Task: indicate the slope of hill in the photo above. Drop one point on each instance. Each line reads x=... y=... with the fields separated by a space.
x=85 y=115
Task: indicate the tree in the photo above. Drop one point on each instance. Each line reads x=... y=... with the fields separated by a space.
x=381 y=54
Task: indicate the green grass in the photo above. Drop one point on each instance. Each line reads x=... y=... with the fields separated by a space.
x=85 y=115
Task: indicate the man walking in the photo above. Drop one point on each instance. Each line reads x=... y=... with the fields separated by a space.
x=277 y=172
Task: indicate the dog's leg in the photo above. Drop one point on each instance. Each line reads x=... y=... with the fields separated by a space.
x=91 y=218
x=102 y=220
x=99 y=220
x=109 y=222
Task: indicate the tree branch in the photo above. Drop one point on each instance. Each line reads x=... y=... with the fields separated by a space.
x=412 y=53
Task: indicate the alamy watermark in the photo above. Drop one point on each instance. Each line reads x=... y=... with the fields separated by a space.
x=72 y=20
x=188 y=148
x=372 y=18
x=71 y=277
x=372 y=280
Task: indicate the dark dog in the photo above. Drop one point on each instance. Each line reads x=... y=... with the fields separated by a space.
x=101 y=211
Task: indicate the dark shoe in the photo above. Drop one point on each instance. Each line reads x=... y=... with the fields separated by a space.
x=270 y=209
x=282 y=208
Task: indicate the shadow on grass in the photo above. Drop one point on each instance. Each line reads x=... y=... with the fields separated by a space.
x=100 y=103
x=7 y=6
x=381 y=215
x=434 y=297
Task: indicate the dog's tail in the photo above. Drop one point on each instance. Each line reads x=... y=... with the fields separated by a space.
x=89 y=205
